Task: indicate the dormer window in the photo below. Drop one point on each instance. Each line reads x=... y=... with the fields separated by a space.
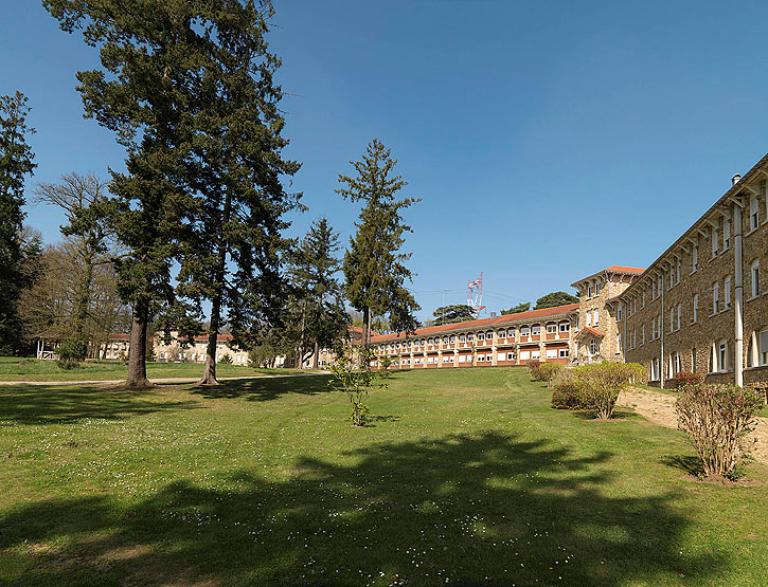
x=715 y=241
x=754 y=213
x=726 y=234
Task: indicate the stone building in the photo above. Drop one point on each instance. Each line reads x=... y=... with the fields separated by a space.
x=597 y=336
x=702 y=306
x=507 y=340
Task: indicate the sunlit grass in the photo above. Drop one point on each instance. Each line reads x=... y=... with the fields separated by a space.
x=462 y=476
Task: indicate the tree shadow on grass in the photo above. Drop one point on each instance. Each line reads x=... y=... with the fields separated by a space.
x=268 y=388
x=469 y=510
x=691 y=465
x=61 y=405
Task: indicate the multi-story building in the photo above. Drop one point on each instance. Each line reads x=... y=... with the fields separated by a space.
x=597 y=336
x=702 y=306
x=511 y=339
x=176 y=350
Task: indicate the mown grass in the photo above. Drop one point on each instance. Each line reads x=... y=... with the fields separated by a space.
x=28 y=369
x=462 y=476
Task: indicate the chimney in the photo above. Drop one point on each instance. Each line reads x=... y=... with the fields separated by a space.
x=735 y=179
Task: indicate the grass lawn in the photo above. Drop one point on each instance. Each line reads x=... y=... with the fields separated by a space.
x=26 y=369
x=463 y=477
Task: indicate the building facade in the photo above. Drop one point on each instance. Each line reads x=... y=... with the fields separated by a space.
x=702 y=306
x=507 y=340
x=597 y=337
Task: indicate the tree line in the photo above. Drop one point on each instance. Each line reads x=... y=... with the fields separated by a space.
x=191 y=235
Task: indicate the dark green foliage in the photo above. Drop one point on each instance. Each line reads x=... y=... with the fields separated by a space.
x=71 y=353
x=556 y=298
x=374 y=265
x=683 y=378
x=226 y=359
x=521 y=307
x=316 y=317
x=565 y=391
x=453 y=313
x=16 y=163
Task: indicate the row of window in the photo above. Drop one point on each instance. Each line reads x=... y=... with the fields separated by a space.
x=534 y=330
x=720 y=357
x=720 y=237
x=485 y=358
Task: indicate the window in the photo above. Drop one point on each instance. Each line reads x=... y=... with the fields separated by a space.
x=511 y=333
x=755 y=279
x=715 y=297
x=480 y=358
x=551 y=353
x=563 y=353
x=619 y=312
x=695 y=308
x=462 y=338
x=726 y=234
x=672 y=319
x=470 y=337
x=674 y=363
x=489 y=335
x=525 y=330
x=642 y=299
x=678 y=269
x=721 y=356
x=481 y=336
x=524 y=355
x=501 y=357
x=536 y=330
x=510 y=356
x=430 y=340
x=679 y=317
x=502 y=334
x=535 y=354
x=564 y=326
x=489 y=358
x=595 y=317
x=452 y=339
x=754 y=214
x=551 y=328
x=445 y=340
x=642 y=334
x=589 y=291
x=592 y=347
x=618 y=341
x=715 y=240
x=695 y=259
x=655 y=374
x=589 y=318
x=727 y=292
x=758 y=349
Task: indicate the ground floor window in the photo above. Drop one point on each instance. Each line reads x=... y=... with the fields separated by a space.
x=489 y=358
x=563 y=353
x=674 y=363
x=758 y=349
x=551 y=353
x=510 y=356
x=501 y=357
x=524 y=355
x=535 y=354
x=592 y=347
x=654 y=375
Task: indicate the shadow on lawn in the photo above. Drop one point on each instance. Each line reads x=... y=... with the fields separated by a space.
x=486 y=509
x=268 y=388
x=57 y=405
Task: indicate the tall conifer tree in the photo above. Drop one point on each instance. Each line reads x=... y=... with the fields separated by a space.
x=16 y=162
x=374 y=266
x=235 y=252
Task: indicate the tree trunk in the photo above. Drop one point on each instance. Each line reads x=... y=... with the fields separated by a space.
x=137 y=352
x=316 y=356
x=83 y=301
x=209 y=372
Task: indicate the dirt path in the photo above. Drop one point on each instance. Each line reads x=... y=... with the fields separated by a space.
x=659 y=408
x=159 y=381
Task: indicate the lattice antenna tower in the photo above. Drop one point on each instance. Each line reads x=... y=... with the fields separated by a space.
x=475 y=294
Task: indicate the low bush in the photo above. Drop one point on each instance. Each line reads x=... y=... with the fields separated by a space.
x=71 y=353
x=718 y=419
x=684 y=378
x=598 y=385
x=226 y=359
x=533 y=369
x=548 y=371
x=565 y=392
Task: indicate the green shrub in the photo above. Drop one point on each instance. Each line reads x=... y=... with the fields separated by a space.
x=71 y=353
x=226 y=359
x=353 y=375
x=533 y=369
x=718 y=419
x=565 y=391
x=684 y=378
x=548 y=371
x=599 y=384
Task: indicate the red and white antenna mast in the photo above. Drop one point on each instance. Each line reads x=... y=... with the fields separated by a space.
x=475 y=294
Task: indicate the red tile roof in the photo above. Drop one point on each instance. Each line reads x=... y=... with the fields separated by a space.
x=623 y=269
x=483 y=322
x=591 y=331
x=119 y=336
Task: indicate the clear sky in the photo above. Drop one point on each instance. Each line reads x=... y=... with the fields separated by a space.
x=546 y=139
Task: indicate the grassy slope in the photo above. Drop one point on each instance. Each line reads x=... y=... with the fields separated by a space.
x=463 y=474
x=15 y=369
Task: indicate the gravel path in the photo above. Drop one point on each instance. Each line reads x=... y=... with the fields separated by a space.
x=659 y=408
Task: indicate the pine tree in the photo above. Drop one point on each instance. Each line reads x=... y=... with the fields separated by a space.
x=453 y=313
x=236 y=175
x=319 y=319
x=374 y=266
x=151 y=91
x=16 y=162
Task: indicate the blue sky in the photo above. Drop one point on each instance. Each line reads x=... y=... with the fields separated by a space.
x=546 y=139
